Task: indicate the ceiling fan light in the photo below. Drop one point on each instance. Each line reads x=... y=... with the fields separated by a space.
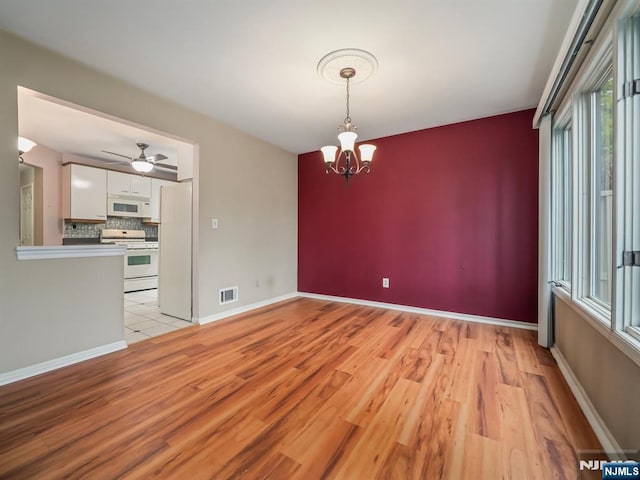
x=366 y=152
x=24 y=144
x=329 y=153
x=347 y=141
x=141 y=165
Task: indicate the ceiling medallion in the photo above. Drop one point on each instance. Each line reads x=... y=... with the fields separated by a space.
x=348 y=66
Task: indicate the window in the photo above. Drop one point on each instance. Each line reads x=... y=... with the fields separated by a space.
x=601 y=189
x=595 y=183
x=628 y=175
x=561 y=202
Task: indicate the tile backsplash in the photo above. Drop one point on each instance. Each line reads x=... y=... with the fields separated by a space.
x=92 y=230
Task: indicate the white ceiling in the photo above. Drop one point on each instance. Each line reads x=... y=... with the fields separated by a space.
x=252 y=63
x=71 y=130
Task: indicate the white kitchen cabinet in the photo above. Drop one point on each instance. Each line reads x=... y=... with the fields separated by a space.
x=119 y=183
x=140 y=186
x=156 y=185
x=84 y=193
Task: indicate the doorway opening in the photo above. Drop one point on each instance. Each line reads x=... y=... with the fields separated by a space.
x=72 y=140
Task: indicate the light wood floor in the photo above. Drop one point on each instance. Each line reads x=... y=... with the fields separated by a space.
x=305 y=389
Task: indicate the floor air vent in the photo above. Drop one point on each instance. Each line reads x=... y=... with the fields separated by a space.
x=227 y=295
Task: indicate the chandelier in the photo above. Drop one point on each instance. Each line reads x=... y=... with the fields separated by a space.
x=346 y=162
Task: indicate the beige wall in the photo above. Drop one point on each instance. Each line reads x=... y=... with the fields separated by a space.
x=249 y=185
x=610 y=379
x=50 y=162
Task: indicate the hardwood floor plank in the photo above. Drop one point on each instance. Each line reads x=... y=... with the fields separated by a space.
x=574 y=421
x=507 y=359
x=480 y=455
x=525 y=348
x=520 y=458
x=486 y=419
x=365 y=460
x=305 y=389
x=558 y=456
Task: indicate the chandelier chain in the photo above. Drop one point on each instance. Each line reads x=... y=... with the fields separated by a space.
x=347 y=119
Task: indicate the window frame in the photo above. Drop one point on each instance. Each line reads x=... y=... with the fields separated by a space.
x=599 y=65
x=611 y=48
x=561 y=200
x=628 y=177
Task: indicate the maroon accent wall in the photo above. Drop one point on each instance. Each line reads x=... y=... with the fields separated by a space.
x=449 y=214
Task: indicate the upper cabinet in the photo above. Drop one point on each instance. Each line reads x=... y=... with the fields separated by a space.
x=119 y=183
x=156 y=185
x=84 y=193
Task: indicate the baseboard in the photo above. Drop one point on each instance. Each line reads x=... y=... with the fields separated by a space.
x=37 y=369
x=245 y=308
x=425 y=311
x=607 y=440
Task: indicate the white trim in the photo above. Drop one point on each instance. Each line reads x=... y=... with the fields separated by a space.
x=633 y=331
x=37 y=369
x=425 y=311
x=69 y=251
x=571 y=32
x=544 y=229
x=606 y=438
x=627 y=344
x=244 y=309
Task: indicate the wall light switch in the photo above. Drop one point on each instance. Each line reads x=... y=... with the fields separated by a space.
x=214 y=223
x=385 y=283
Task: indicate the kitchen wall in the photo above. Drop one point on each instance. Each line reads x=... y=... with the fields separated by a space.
x=92 y=230
x=50 y=308
x=448 y=214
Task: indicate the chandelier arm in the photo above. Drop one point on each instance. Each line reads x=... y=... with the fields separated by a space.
x=342 y=156
x=331 y=168
x=357 y=164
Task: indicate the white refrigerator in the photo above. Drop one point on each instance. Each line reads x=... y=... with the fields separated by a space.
x=174 y=281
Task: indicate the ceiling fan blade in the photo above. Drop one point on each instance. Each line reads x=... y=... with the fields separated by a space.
x=111 y=162
x=156 y=157
x=118 y=154
x=168 y=167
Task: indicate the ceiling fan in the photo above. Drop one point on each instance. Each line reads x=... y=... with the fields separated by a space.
x=145 y=163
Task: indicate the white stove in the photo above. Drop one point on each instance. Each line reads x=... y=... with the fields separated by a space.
x=141 y=260
x=132 y=239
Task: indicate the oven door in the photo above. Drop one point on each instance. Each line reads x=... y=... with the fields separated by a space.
x=141 y=263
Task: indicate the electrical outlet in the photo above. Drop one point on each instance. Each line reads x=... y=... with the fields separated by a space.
x=385 y=283
x=214 y=223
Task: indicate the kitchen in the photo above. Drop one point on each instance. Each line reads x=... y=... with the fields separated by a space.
x=87 y=193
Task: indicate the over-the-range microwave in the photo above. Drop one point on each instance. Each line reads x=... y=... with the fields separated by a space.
x=124 y=206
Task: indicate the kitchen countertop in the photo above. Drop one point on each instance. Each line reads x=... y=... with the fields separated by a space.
x=69 y=251
x=80 y=241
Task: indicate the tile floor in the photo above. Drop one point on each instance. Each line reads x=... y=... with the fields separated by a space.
x=142 y=317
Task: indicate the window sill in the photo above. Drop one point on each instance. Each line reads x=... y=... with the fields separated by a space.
x=69 y=251
x=634 y=332
x=623 y=341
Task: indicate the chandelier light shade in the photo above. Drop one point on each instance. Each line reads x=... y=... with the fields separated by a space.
x=366 y=152
x=345 y=161
x=329 y=153
x=347 y=141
